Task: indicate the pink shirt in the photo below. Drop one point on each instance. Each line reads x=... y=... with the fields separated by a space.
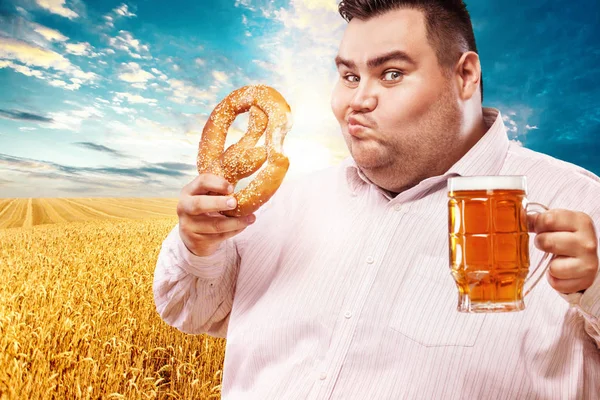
x=338 y=291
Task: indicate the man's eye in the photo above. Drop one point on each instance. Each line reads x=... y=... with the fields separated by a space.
x=352 y=78
x=392 y=75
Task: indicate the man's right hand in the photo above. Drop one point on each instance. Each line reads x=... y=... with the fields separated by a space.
x=201 y=227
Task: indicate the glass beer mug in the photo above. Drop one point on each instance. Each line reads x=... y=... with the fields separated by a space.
x=489 y=242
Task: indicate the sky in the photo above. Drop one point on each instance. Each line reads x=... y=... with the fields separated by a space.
x=109 y=98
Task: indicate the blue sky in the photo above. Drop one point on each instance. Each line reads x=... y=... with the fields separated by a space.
x=108 y=98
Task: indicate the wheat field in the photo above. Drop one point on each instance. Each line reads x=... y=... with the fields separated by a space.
x=77 y=315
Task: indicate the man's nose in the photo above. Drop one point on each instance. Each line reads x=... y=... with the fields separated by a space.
x=364 y=98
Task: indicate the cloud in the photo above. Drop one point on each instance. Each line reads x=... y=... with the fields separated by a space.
x=133 y=73
x=132 y=99
x=220 y=77
x=23 y=116
x=100 y=148
x=32 y=55
x=161 y=75
x=51 y=170
x=199 y=62
x=184 y=93
x=528 y=127
x=64 y=85
x=22 y=69
x=57 y=7
x=109 y=21
x=126 y=42
x=73 y=119
x=49 y=34
x=79 y=49
x=123 y=10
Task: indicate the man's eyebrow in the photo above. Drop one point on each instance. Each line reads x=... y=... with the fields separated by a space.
x=396 y=55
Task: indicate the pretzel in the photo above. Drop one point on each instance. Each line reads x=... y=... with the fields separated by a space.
x=269 y=113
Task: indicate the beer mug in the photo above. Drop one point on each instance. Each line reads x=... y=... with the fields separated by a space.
x=489 y=242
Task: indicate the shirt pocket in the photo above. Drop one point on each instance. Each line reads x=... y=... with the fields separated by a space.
x=425 y=307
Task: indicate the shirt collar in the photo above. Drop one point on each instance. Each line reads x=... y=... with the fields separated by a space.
x=486 y=157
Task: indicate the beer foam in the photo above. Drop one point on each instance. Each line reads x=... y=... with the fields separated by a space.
x=507 y=182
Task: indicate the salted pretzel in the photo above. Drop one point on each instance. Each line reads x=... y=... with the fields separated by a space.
x=269 y=114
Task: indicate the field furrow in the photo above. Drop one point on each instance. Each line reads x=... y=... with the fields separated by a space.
x=109 y=206
x=6 y=208
x=94 y=212
x=15 y=216
x=28 y=222
x=42 y=211
x=50 y=210
x=168 y=208
x=140 y=207
x=69 y=212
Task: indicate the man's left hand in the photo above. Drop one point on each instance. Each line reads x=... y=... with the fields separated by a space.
x=571 y=237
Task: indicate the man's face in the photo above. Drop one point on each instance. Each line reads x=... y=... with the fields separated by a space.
x=399 y=114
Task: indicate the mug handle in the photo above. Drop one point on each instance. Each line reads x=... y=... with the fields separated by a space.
x=540 y=208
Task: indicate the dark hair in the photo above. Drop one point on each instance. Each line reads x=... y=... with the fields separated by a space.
x=448 y=24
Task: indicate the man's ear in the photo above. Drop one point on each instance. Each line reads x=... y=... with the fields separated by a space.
x=468 y=75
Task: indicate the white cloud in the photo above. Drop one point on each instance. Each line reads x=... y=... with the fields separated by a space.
x=133 y=73
x=529 y=127
x=184 y=93
x=265 y=65
x=49 y=34
x=126 y=42
x=123 y=10
x=57 y=7
x=199 y=62
x=73 y=119
x=158 y=73
x=64 y=85
x=132 y=99
x=124 y=110
x=22 y=69
x=79 y=49
x=109 y=21
x=31 y=55
x=220 y=77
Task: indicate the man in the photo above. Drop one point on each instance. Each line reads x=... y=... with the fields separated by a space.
x=339 y=287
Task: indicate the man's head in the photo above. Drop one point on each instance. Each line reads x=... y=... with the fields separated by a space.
x=408 y=97
x=447 y=23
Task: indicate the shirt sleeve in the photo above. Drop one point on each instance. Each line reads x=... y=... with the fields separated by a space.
x=195 y=294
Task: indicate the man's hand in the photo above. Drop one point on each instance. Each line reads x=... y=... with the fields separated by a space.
x=570 y=236
x=201 y=227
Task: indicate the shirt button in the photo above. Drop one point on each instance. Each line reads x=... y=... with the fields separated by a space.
x=348 y=314
x=397 y=207
x=370 y=260
x=323 y=376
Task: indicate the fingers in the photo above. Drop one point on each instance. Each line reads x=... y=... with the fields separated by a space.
x=555 y=220
x=202 y=234
x=558 y=243
x=218 y=225
x=205 y=183
x=567 y=243
x=202 y=204
x=568 y=286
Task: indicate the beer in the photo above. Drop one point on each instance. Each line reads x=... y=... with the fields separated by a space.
x=488 y=241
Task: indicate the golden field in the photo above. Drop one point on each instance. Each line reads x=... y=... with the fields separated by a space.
x=77 y=315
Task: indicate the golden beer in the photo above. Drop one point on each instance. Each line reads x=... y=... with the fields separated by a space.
x=488 y=241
